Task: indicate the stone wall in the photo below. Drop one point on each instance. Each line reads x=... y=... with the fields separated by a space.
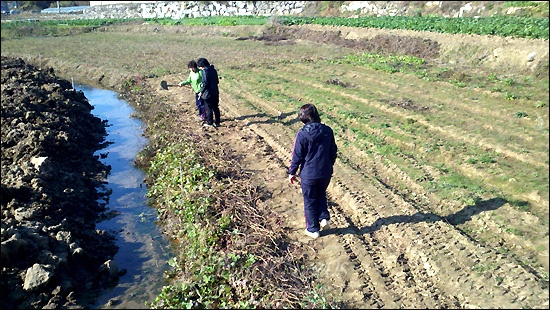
x=192 y=9
x=416 y=8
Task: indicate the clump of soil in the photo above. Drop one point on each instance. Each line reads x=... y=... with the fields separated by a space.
x=53 y=193
x=336 y=81
x=406 y=104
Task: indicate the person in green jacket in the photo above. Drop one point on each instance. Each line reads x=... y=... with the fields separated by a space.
x=195 y=80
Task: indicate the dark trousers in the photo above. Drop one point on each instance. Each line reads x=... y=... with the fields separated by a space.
x=212 y=110
x=315 y=202
x=199 y=102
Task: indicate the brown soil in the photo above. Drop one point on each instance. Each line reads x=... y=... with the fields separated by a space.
x=383 y=250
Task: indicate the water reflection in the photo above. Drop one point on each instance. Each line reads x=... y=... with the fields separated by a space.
x=143 y=250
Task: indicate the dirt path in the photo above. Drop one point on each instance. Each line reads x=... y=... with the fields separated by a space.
x=382 y=250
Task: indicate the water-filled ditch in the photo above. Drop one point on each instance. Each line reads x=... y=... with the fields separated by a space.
x=143 y=250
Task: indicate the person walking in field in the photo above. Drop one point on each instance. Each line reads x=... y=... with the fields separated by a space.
x=210 y=93
x=195 y=80
x=314 y=155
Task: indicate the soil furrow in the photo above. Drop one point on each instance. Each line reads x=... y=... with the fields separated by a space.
x=475 y=112
x=468 y=261
x=363 y=252
x=420 y=275
x=375 y=263
x=448 y=131
x=427 y=204
x=371 y=223
x=459 y=217
x=487 y=177
x=473 y=256
x=370 y=292
x=381 y=236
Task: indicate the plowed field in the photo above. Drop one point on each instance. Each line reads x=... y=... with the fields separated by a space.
x=440 y=193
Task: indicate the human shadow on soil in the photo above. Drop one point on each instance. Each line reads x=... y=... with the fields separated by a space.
x=460 y=217
x=270 y=119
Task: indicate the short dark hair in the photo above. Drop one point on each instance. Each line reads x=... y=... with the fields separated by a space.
x=202 y=62
x=192 y=64
x=308 y=113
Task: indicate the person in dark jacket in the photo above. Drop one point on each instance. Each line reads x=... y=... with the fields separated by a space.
x=209 y=92
x=314 y=154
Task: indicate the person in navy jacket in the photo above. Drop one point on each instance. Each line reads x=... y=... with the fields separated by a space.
x=314 y=155
x=210 y=93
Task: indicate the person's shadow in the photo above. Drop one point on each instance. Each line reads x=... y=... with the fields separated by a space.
x=460 y=217
x=270 y=119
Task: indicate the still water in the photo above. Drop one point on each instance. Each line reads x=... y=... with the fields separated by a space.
x=143 y=250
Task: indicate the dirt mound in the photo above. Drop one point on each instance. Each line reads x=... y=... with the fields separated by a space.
x=52 y=185
x=382 y=43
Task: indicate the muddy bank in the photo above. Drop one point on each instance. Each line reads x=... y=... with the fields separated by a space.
x=53 y=193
